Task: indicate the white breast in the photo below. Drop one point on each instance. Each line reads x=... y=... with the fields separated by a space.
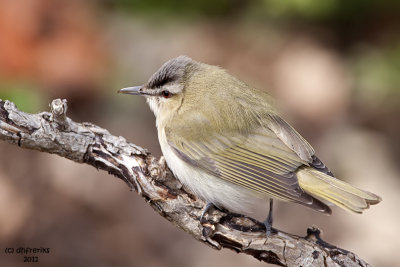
x=211 y=189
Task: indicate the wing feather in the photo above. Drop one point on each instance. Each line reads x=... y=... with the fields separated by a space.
x=263 y=164
x=291 y=137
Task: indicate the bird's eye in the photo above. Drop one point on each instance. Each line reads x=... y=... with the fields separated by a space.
x=166 y=94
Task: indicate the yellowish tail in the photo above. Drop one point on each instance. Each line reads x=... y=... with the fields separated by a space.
x=333 y=190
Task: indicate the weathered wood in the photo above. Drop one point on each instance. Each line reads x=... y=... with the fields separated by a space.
x=87 y=143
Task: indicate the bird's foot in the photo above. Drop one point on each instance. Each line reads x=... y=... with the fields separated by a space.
x=207 y=207
x=268 y=221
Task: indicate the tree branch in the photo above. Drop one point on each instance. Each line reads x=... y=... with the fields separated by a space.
x=87 y=143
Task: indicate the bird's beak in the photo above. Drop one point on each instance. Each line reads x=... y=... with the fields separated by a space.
x=135 y=90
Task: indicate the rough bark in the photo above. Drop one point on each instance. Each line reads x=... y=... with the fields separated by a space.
x=87 y=143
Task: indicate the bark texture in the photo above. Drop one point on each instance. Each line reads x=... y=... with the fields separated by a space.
x=87 y=143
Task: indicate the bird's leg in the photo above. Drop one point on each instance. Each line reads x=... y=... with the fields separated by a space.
x=268 y=220
x=206 y=208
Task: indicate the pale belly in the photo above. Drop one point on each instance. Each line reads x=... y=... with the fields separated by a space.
x=210 y=188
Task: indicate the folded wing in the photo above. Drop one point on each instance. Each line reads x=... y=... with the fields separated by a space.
x=258 y=160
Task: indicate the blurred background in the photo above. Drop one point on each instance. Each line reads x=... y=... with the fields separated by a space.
x=333 y=65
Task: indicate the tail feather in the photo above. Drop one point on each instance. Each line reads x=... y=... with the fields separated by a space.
x=342 y=194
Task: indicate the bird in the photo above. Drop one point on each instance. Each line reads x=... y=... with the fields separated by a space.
x=228 y=143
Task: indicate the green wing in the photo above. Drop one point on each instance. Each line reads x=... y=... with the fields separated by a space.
x=264 y=160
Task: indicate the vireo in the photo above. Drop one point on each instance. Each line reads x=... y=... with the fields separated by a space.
x=227 y=143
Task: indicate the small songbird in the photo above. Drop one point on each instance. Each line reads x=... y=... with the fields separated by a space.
x=228 y=144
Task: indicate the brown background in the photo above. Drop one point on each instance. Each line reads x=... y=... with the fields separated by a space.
x=334 y=71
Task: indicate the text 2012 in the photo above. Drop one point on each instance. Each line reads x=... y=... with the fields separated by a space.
x=31 y=259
